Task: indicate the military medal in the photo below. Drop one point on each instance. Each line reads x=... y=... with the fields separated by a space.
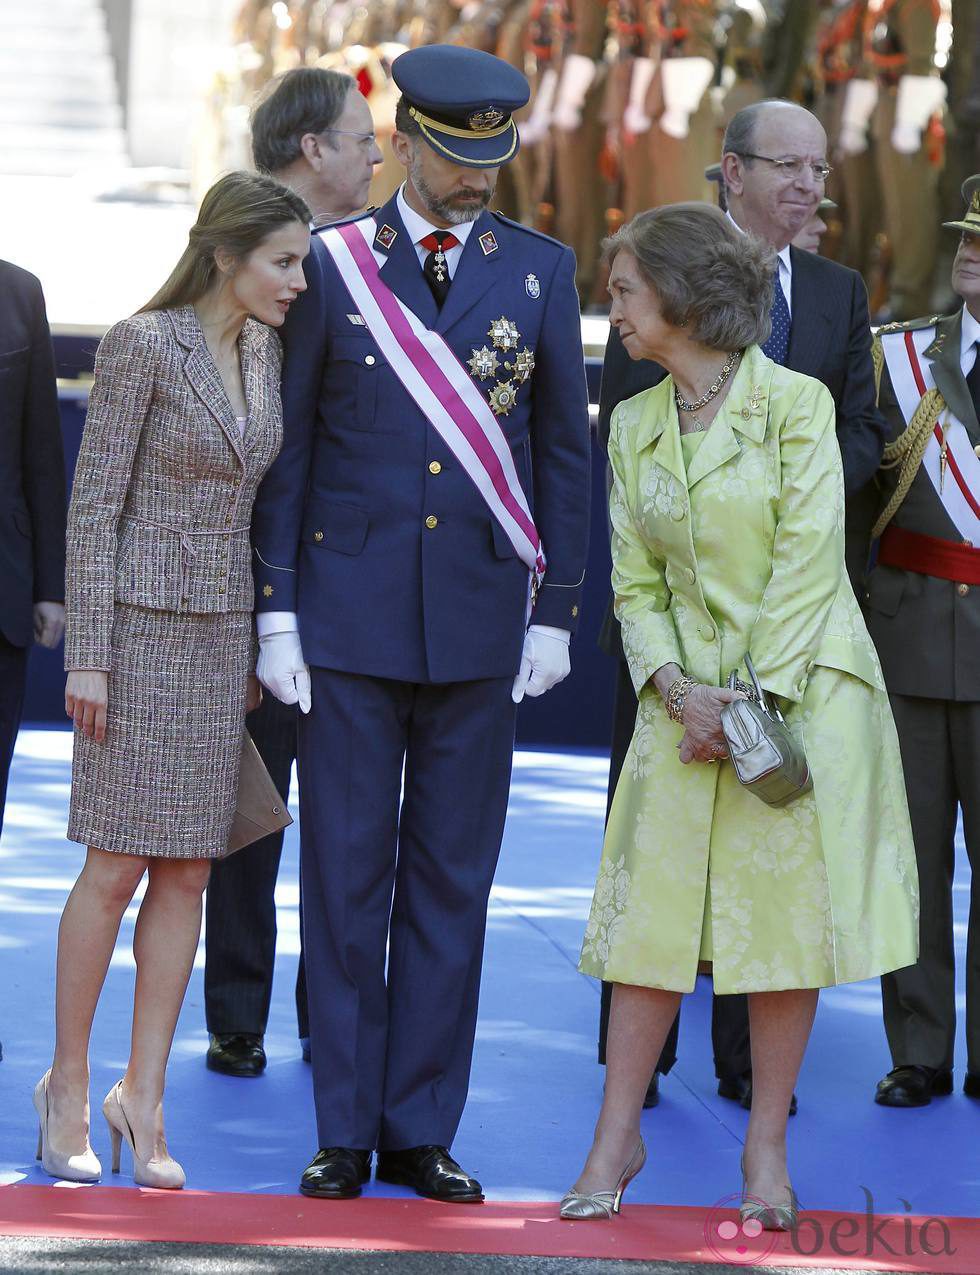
x=484 y=363
x=503 y=398
x=488 y=243
x=522 y=366
x=439 y=265
x=504 y=334
x=942 y=456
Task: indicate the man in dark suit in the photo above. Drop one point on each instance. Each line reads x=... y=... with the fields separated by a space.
x=313 y=132
x=436 y=449
x=32 y=497
x=773 y=168
x=924 y=617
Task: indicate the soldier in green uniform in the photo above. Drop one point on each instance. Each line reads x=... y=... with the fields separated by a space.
x=924 y=616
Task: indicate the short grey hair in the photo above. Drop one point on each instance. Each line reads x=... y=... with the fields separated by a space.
x=308 y=99
x=708 y=276
x=740 y=134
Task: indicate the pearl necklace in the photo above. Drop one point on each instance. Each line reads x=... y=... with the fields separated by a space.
x=712 y=390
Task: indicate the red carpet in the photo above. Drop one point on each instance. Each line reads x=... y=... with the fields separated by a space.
x=648 y=1232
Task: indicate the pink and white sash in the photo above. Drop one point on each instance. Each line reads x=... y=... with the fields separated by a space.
x=911 y=376
x=441 y=387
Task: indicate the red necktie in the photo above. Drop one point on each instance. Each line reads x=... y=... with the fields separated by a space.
x=435 y=267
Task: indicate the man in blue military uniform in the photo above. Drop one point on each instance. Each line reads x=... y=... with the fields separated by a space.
x=435 y=455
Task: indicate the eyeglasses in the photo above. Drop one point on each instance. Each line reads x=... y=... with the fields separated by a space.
x=366 y=139
x=792 y=168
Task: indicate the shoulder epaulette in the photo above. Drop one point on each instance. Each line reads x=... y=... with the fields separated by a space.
x=344 y=221
x=528 y=230
x=909 y=325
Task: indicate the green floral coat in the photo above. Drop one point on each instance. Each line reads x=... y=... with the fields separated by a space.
x=744 y=551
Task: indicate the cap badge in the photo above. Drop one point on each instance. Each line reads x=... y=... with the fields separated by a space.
x=386 y=236
x=532 y=286
x=484 y=363
x=975 y=201
x=503 y=398
x=504 y=334
x=483 y=121
x=488 y=243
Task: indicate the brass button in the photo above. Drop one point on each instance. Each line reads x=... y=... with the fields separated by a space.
x=276 y=810
x=435 y=467
x=962 y=590
x=677 y=513
x=318 y=536
x=574 y=612
x=267 y=590
x=369 y=360
x=801 y=685
x=977 y=449
x=432 y=522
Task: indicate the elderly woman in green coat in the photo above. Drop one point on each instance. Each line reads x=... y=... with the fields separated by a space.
x=727 y=511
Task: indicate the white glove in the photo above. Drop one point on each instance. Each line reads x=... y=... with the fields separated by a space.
x=635 y=117
x=577 y=75
x=918 y=98
x=860 y=100
x=282 y=670
x=685 y=82
x=544 y=661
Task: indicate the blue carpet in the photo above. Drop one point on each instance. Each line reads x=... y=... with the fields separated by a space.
x=535 y=1085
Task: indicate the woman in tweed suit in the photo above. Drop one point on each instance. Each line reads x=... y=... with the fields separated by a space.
x=184 y=419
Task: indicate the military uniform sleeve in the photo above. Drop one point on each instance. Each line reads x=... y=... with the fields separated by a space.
x=277 y=515
x=126 y=367
x=641 y=598
x=808 y=549
x=561 y=449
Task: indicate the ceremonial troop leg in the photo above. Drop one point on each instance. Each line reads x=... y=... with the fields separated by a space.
x=391 y=1060
x=919 y=1002
x=241 y=908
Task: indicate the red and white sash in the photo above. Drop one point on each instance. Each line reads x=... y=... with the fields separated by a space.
x=439 y=384
x=911 y=377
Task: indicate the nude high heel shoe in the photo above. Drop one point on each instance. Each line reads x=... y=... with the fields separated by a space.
x=576 y=1207
x=165 y=1174
x=774 y=1217
x=83 y=1167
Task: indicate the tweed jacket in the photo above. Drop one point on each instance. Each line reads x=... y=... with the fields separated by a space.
x=164 y=485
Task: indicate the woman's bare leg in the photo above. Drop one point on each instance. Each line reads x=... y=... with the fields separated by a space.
x=639 y=1021
x=779 y=1025
x=168 y=929
x=86 y=938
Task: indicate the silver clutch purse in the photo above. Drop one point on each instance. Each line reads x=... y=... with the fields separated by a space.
x=768 y=759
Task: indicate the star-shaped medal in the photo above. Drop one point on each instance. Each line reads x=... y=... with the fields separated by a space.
x=503 y=398
x=484 y=363
x=504 y=334
x=522 y=366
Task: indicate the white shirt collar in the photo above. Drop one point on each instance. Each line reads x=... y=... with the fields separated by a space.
x=782 y=255
x=417 y=227
x=971 y=334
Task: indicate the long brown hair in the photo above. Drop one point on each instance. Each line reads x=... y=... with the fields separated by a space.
x=236 y=214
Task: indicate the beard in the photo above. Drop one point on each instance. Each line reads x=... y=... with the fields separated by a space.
x=448 y=207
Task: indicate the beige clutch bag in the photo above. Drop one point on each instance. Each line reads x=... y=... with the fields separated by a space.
x=260 y=810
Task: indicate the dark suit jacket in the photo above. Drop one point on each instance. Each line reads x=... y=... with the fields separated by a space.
x=32 y=466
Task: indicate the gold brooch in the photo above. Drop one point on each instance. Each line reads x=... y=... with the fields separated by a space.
x=504 y=334
x=522 y=366
x=503 y=398
x=484 y=363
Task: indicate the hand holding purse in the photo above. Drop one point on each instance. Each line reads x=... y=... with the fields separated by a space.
x=768 y=759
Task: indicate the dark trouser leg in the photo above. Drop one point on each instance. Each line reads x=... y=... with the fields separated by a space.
x=240 y=945
x=965 y=736
x=919 y=1002
x=730 y=1036
x=624 y=723
x=457 y=778
x=13 y=677
x=351 y=748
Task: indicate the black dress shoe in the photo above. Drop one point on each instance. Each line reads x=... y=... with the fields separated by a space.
x=336 y=1173
x=913 y=1086
x=739 y=1089
x=653 y=1092
x=971 y=1084
x=429 y=1171
x=236 y=1054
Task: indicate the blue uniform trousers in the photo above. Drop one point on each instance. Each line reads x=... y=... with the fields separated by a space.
x=411 y=874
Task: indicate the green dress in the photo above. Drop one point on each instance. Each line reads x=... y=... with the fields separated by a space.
x=729 y=544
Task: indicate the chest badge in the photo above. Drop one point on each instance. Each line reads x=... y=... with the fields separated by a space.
x=503 y=398
x=532 y=286
x=484 y=363
x=385 y=237
x=522 y=366
x=488 y=243
x=504 y=334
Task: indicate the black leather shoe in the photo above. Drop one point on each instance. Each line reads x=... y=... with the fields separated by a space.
x=336 y=1173
x=236 y=1054
x=429 y=1171
x=653 y=1092
x=971 y=1084
x=913 y=1086
x=739 y=1089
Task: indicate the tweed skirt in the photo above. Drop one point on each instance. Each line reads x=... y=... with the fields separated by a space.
x=164 y=781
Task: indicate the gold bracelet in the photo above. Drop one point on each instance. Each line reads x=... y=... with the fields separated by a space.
x=677 y=693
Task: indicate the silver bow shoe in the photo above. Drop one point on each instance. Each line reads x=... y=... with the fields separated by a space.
x=576 y=1207
x=774 y=1217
